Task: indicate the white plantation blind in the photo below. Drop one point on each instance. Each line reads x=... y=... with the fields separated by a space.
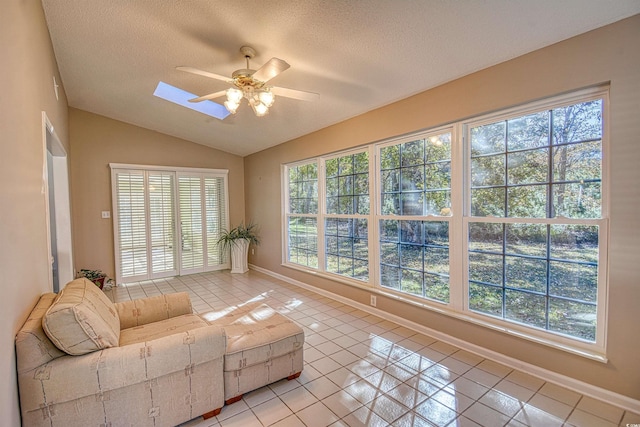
x=162 y=221
x=190 y=191
x=132 y=225
x=216 y=218
x=203 y=217
x=167 y=221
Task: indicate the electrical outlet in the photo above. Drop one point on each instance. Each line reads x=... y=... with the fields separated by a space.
x=373 y=300
x=253 y=251
x=106 y=214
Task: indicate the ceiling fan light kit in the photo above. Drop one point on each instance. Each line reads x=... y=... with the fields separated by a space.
x=251 y=85
x=260 y=99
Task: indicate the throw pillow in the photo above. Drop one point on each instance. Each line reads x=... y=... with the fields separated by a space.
x=82 y=319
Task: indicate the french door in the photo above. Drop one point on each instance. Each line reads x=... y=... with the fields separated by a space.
x=167 y=221
x=203 y=217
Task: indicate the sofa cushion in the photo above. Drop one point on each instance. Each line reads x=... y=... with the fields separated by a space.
x=139 y=312
x=161 y=329
x=82 y=319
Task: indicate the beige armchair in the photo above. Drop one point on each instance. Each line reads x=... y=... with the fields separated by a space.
x=84 y=361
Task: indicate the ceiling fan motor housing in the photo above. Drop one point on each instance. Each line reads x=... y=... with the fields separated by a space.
x=243 y=78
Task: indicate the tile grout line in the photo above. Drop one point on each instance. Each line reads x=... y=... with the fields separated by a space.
x=315 y=314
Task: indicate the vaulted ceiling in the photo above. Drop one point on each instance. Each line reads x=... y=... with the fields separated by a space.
x=358 y=55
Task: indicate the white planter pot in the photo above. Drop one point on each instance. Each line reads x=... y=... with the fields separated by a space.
x=239 y=255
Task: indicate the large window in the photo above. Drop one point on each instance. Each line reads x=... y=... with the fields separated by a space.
x=542 y=172
x=302 y=210
x=415 y=185
x=499 y=219
x=346 y=225
x=330 y=234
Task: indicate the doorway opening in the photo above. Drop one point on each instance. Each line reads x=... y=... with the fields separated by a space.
x=58 y=207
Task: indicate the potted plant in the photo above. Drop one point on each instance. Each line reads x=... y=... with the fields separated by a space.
x=96 y=276
x=238 y=240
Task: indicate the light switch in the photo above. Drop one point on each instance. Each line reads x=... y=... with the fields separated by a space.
x=106 y=214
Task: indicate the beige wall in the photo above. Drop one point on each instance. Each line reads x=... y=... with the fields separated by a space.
x=26 y=77
x=28 y=65
x=607 y=54
x=97 y=141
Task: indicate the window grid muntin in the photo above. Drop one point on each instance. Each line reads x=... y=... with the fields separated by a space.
x=403 y=167
x=505 y=253
x=551 y=186
x=355 y=165
x=462 y=203
x=336 y=253
x=301 y=225
x=306 y=248
x=427 y=144
x=353 y=175
x=401 y=244
x=306 y=188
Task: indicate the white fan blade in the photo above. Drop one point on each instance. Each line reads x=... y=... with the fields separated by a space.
x=204 y=73
x=295 y=94
x=210 y=96
x=272 y=68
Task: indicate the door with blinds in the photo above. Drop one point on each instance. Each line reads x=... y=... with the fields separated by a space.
x=203 y=217
x=168 y=222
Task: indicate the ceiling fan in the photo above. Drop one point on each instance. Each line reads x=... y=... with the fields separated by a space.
x=251 y=85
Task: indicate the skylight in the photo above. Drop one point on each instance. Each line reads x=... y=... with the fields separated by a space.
x=182 y=97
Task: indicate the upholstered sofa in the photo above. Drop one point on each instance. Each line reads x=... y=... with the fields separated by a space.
x=85 y=361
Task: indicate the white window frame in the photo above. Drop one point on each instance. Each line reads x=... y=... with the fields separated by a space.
x=453 y=219
x=322 y=215
x=597 y=349
x=458 y=305
x=286 y=214
x=325 y=215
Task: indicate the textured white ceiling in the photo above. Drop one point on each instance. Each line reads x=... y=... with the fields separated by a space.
x=358 y=55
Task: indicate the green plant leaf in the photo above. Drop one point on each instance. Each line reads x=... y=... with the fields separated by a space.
x=249 y=232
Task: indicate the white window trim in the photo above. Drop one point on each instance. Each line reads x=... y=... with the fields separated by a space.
x=458 y=239
x=323 y=215
x=455 y=302
x=595 y=350
x=284 y=173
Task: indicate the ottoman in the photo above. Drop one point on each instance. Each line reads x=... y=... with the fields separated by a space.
x=263 y=347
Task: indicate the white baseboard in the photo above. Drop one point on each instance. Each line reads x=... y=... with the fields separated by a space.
x=578 y=386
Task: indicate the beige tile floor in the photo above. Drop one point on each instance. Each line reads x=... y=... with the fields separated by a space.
x=363 y=370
